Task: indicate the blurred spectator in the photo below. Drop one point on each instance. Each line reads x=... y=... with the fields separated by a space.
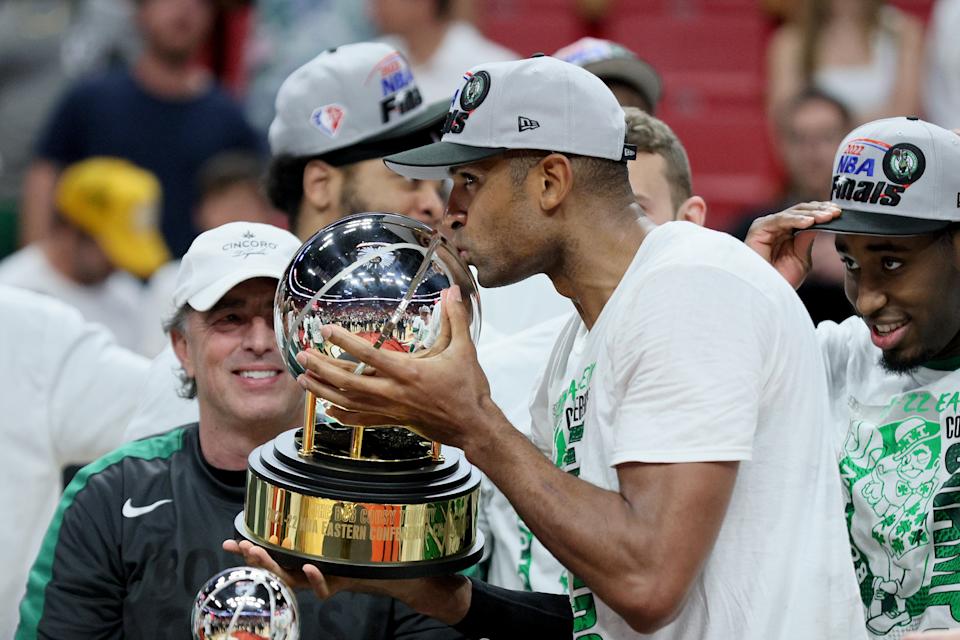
x=67 y=393
x=105 y=229
x=942 y=86
x=440 y=49
x=287 y=35
x=42 y=44
x=865 y=53
x=230 y=191
x=660 y=175
x=810 y=127
x=165 y=114
x=633 y=81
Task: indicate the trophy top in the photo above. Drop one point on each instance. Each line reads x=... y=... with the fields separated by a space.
x=245 y=602
x=357 y=273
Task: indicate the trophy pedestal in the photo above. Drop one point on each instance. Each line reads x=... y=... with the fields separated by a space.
x=395 y=512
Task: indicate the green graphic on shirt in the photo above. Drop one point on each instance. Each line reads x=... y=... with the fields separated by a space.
x=569 y=413
x=526 y=541
x=584 y=610
x=900 y=501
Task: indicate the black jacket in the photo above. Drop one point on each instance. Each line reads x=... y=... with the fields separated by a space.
x=138 y=533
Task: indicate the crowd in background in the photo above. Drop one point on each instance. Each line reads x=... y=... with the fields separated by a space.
x=185 y=90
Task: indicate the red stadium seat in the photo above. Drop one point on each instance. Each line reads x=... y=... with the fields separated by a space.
x=531 y=26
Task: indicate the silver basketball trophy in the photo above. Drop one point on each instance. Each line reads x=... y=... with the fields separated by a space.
x=374 y=502
x=244 y=603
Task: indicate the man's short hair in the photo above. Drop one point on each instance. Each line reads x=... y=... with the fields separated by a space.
x=651 y=135
x=226 y=169
x=178 y=322
x=607 y=177
x=284 y=184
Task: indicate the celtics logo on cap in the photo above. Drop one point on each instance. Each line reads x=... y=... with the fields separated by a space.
x=474 y=92
x=904 y=163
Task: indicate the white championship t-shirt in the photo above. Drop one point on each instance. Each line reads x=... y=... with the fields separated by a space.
x=900 y=468
x=704 y=353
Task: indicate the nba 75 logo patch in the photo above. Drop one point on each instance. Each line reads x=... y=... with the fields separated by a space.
x=328 y=118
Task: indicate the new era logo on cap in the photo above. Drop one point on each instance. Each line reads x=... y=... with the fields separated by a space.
x=896 y=176
x=525 y=124
x=540 y=103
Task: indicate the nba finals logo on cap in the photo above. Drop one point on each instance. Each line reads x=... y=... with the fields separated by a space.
x=857 y=176
x=328 y=118
x=896 y=176
x=398 y=90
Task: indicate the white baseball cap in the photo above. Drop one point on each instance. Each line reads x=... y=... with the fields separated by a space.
x=220 y=259
x=613 y=62
x=539 y=103
x=896 y=177
x=362 y=93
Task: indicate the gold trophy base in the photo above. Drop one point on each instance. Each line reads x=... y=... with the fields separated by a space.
x=362 y=519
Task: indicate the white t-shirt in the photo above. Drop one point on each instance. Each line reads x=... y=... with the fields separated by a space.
x=67 y=392
x=462 y=48
x=704 y=353
x=161 y=407
x=512 y=364
x=115 y=303
x=900 y=469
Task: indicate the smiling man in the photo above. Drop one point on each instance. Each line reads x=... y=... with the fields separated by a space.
x=684 y=476
x=892 y=371
x=138 y=532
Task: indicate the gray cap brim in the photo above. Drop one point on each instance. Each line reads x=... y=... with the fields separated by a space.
x=433 y=161
x=869 y=223
x=431 y=117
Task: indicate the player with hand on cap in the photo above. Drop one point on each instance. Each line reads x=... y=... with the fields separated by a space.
x=685 y=475
x=337 y=116
x=893 y=381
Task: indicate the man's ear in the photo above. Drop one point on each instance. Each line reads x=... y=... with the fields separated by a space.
x=554 y=180
x=322 y=185
x=693 y=209
x=182 y=350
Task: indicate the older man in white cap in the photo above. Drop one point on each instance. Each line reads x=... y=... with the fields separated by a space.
x=138 y=531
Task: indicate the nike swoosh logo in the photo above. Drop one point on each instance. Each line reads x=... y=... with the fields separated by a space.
x=130 y=511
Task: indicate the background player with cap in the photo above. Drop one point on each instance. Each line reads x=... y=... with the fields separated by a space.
x=337 y=116
x=893 y=387
x=682 y=460
x=633 y=81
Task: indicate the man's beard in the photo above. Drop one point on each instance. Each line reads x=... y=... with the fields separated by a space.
x=905 y=366
x=351 y=201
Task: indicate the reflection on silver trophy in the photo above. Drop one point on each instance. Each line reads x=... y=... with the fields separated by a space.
x=244 y=603
x=375 y=502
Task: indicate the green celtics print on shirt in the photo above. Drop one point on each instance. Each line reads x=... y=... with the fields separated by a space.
x=569 y=412
x=900 y=467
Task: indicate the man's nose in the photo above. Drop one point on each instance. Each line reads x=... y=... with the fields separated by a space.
x=870 y=298
x=428 y=207
x=260 y=337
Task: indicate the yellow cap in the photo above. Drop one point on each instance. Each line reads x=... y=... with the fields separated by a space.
x=118 y=204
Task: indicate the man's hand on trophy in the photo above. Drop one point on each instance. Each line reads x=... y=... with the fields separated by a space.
x=446 y=598
x=442 y=394
x=773 y=237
